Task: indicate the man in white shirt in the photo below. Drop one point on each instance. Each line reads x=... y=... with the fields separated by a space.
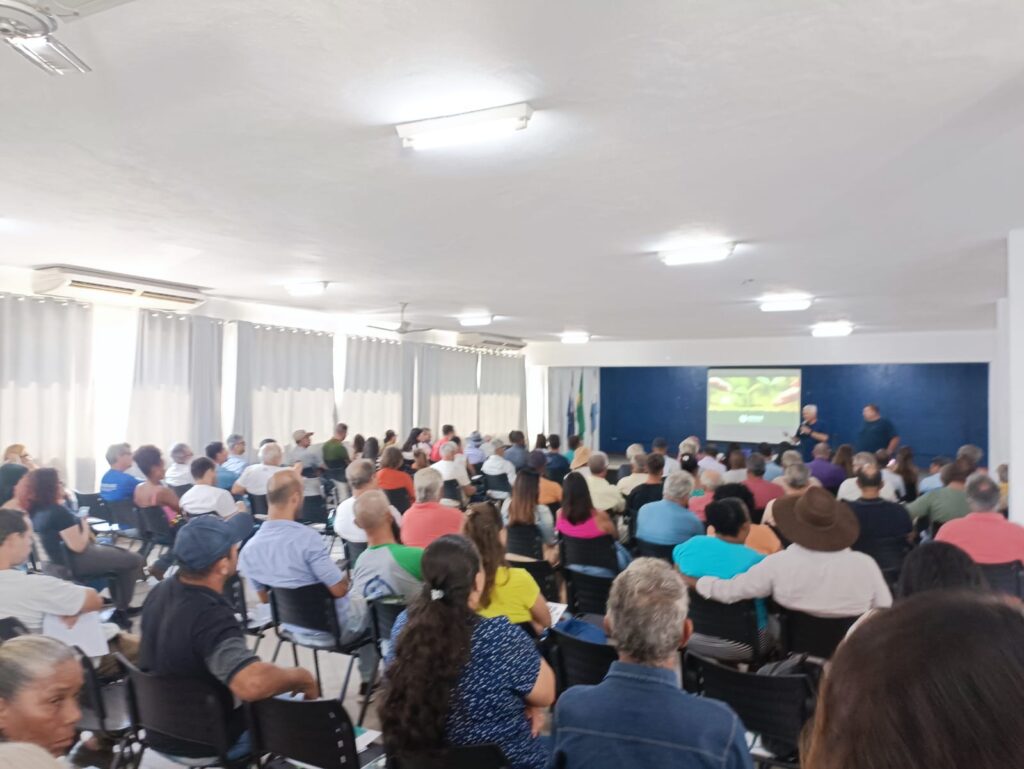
x=849 y=491
x=818 y=574
x=933 y=481
x=236 y=461
x=254 y=478
x=496 y=464
x=660 y=446
x=453 y=471
x=179 y=473
x=709 y=460
x=361 y=479
x=205 y=496
x=638 y=476
x=603 y=495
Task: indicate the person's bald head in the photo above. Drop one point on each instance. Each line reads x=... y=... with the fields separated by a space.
x=373 y=513
x=284 y=494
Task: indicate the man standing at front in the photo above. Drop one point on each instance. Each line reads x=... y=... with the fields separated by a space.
x=877 y=432
x=811 y=432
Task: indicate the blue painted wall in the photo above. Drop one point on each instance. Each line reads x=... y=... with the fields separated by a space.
x=937 y=407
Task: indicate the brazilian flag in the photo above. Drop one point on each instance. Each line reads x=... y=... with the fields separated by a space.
x=581 y=415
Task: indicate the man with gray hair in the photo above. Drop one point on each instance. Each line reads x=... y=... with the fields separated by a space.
x=604 y=496
x=179 y=473
x=984 y=534
x=811 y=432
x=849 y=491
x=663 y=725
x=637 y=476
x=117 y=484
x=798 y=480
x=361 y=480
x=709 y=481
x=453 y=471
x=668 y=521
x=427 y=519
x=254 y=478
x=974 y=453
x=236 y=461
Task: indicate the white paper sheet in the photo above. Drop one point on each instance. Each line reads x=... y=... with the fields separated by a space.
x=87 y=634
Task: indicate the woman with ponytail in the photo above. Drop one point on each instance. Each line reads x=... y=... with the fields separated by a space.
x=455 y=678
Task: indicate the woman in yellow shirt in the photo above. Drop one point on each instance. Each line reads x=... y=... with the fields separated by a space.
x=508 y=592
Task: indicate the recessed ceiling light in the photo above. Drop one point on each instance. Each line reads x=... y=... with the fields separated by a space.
x=785 y=302
x=575 y=337
x=309 y=288
x=832 y=328
x=697 y=252
x=476 y=319
x=465 y=128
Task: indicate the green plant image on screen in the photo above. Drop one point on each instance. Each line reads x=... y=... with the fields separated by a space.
x=747 y=393
x=753 y=404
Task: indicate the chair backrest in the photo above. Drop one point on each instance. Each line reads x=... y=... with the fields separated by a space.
x=384 y=610
x=259 y=504
x=452 y=491
x=1004 y=577
x=889 y=554
x=179 y=491
x=95 y=504
x=652 y=550
x=310 y=606
x=155 y=525
x=399 y=499
x=497 y=483
x=234 y=591
x=11 y=627
x=465 y=757
x=186 y=709
x=314 y=510
x=318 y=733
x=599 y=551
x=817 y=636
x=582 y=662
x=525 y=540
x=124 y=514
x=775 y=707
x=735 y=622
x=587 y=594
x=543 y=574
x=352 y=551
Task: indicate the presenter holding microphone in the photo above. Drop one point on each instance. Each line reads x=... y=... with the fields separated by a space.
x=811 y=431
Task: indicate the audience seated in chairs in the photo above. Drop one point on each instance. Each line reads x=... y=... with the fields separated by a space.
x=667 y=521
x=41 y=495
x=428 y=519
x=179 y=472
x=818 y=574
x=879 y=519
x=651 y=489
x=579 y=519
x=152 y=493
x=638 y=716
x=848 y=489
x=361 y=479
x=217 y=452
x=937 y=682
x=705 y=493
x=761 y=538
x=189 y=630
x=451 y=470
x=237 y=447
x=391 y=476
x=637 y=475
x=724 y=555
x=455 y=678
x=603 y=494
x=496 y=464
x=254 y=478
x=950 y=502
x=507 y=592
x=764 y=490
x=557 y=464
x=116 y=484
x=984 y=534
x=828 y=474
x=523 y=508
x=206 y=496
x=795 y=480
x=939 y=566
x=549 y=492
x=14 y=466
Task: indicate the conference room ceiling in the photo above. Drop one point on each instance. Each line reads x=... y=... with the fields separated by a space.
x=869 y=153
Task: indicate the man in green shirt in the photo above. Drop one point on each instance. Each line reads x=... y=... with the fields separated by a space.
x=950 y=501
x=334 y=450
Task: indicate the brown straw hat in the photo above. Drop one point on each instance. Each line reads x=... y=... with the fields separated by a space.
x=580 y=458
x=816 y=520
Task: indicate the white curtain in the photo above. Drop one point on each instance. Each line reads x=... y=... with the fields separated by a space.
x=502 y=393
x=45 y=383
x=574 y=393
x=373 y=399
x=176 y=390
x=447 y=384
x=284 y=382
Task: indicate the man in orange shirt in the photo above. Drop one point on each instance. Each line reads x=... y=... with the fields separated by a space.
x=428 y=519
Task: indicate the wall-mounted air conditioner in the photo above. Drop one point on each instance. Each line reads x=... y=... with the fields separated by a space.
x=108 y=288
x=491 y=341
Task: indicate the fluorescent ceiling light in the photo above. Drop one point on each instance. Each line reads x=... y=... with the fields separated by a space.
x=465 y=128
x=785 y=302
x=697 y=252
x=832 y=328
x=311 y=288
x=476 y=319
x=575 y=337
x=48 y=53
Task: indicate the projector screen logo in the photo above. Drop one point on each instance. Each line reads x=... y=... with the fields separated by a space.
x=753 y=419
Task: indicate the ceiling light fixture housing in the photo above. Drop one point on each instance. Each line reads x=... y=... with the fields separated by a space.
x=475 y=319
x=466 y=128
x=29 y=31
x=832 y=328
x=697 y=252
x=575 y=337
x=308 y=288
x=785 y=302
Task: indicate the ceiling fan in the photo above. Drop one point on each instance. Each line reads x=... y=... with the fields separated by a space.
x=404 y=326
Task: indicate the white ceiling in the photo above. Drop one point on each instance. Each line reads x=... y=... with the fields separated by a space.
x=869 y=152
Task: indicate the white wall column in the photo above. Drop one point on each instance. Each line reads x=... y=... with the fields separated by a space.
x=998 y=450
x=1014 y=416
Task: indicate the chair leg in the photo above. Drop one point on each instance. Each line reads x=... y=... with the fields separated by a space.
x=256 y=646
x=277 y=649
x=348 y=675
x=366 y=699
x=316 y=667
x=295 y=654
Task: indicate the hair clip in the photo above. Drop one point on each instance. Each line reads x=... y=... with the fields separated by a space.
x=436 y=595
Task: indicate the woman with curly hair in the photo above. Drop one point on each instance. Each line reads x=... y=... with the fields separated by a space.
x=456 y=678
x=153 y=493
x=41 y=495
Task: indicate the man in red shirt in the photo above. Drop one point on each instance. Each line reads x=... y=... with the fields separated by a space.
x=428 y=519
x=983 y=533
x=447 y=433
x=763 y=491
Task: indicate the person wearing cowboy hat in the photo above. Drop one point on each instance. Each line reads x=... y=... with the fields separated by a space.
x=818 y=574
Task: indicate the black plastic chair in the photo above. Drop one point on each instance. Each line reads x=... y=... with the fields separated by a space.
x=1003 y=577
x=543 y=574
x=383 y=611
x=772 y=707
x=11 y=627
x=452 y=491
x=580 y=662
x=889 y=554
x=259 y=505
x=234 y=591
x=317 y=733
x=352 y=551
x=466 y=757
x=525 y=540
x=185 y=709
x=129 y=523
x=652 y=550
x=586 y=593
x=314 y=511
x=817 y=636
x=158 y=531
x=99 y=516
x=104 y=705
x=498 y=483
x=311 y=607
x=735 y=623
x=179 y=491
x=399 y=499
x=599 y=552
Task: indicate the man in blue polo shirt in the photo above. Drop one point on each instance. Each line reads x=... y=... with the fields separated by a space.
x=668 y=521
x=116 y=484
x=877 y=432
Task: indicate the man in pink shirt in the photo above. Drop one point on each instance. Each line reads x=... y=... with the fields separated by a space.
x=984 y=534
x=428 y=519
x=763 y=491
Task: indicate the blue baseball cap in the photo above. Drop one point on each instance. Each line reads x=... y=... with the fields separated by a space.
x=205 y=540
